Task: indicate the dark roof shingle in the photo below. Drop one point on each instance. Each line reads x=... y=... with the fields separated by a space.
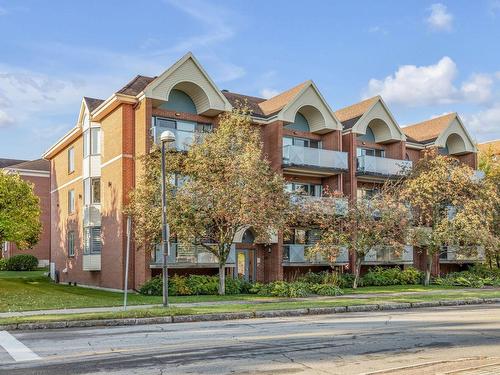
x=92 y=103
x=33 y=165
x=251 y=101
x=8 y=162
x=136 y=85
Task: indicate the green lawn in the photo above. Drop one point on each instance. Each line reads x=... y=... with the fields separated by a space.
x=24 y=291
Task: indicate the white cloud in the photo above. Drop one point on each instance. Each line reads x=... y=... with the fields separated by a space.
x=377 y=29
x=440 y=19
x=413 y=85
x=267 y=93
x=477 y=88
x=3 y=11
x=494 y=7
x=417 y=85
x=5 y=119
x=497 y=75
x=484 y=124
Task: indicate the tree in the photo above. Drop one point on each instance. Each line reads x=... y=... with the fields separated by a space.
x=490 y=165
x=440 y=188
x=228 y=187
x=19 y=211
x=381 y=222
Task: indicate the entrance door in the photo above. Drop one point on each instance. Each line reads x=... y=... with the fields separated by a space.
x=245 y=264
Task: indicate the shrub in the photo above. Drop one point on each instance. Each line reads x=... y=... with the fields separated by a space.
x=347 y=279
x=3 y=264
x=326 y=290
x=193 y=285
x=476 y=277
x=22 y=262
x=283 y=289
x=379 y=276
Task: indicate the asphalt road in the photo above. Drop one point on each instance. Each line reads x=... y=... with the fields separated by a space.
x=455 y=340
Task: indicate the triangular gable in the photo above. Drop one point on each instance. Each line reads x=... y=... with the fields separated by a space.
x=84 y=110
x=391 y=131
x=457 y=127
x=313 y=107
x=189 y=76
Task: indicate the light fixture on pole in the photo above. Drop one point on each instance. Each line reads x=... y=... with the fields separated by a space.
x=166 y=137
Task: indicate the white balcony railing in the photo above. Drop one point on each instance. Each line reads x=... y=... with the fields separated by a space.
x=462 y=255
x=314 y=157
x=181 y=254
x=92 y=215
x=376 y=165
x=183 y=139
x=389 y=255
x=340 y=205
x=299 y=254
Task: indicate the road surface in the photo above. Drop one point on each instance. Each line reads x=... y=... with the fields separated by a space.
x=454 y=340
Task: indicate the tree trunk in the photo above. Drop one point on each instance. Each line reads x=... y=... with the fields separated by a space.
x=222 y=279
x=428 y=267
x=357 y=271
x=497 y=257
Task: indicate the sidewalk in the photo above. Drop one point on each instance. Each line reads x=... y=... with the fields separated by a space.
x=235 y=302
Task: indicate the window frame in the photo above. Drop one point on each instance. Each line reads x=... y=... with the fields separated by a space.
x=71 y=159
x=71 y=243
x=71 y=201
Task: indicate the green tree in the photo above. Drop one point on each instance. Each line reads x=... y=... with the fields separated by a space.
x=228 y=186
x=447 y=202
x=19 y=211
x=378 y=223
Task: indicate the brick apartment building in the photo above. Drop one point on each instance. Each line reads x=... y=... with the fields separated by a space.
x=36 y=172
x=353 y=150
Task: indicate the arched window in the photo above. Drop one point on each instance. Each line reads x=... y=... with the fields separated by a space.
x=300 y=124
x=179 y=101
x=369 y=136
x=248 y=236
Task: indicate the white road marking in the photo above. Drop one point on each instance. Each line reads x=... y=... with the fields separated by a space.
x=16 y=349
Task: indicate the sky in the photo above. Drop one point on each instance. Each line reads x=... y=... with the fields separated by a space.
x=425 y=58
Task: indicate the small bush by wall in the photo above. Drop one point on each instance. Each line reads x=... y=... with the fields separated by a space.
x=22 y=262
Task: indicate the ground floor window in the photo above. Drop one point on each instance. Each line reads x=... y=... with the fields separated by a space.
x=92 y=241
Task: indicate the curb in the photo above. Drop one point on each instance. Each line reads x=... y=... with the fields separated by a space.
x=243 y=315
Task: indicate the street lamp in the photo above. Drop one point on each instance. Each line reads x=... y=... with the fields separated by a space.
x=166 y=137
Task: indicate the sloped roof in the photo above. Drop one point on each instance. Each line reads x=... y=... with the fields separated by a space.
x=348 y=116
x=239 y=99
x=136 y=85
x=276 y=103
x=8 y=162
x=429 y=130
x=92 y=103
x=33 y=165
x=490 y=146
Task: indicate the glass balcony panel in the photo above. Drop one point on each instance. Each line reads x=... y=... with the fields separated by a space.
x=297 y=253
x=464 y=255
x=314 y=157
x=340 y=204
x=183 y=139
x=383 y=166
x=189 y=254
x=389 y=255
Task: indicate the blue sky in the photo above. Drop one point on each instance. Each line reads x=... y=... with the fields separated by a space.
x=426 y=58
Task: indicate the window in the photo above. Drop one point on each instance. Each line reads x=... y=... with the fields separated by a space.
x=370 y=152
x=71 y=243
x=186 y=131
x=92 y=191
x=367 y=193
x=71 y=201
x=92 y=240
x=314 y=190
x=301 y=142
x=71 y=159
x=302 y=237
x=92 y=142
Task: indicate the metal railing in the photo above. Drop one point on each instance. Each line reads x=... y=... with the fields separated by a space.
x=376 y=165
x=298 y=253
x=463 y=254
x=314 y=157
x=189 y=255
x=340 y=204
x=92 y=215
x=390 y=255
x=183 y=139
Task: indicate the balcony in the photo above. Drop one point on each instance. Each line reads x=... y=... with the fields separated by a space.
x=384 y=167
x=325 y=162
x=464 y=255
x=341 y=204
x=388 y=255
x=295 y=255
x=185 y=256
x=92 y=215
x=183 y=139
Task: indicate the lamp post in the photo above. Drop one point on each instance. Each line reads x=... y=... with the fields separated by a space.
x=166 y=137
